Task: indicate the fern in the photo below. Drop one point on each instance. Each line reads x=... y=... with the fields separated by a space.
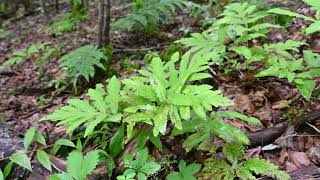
x=260 y=167
x=83 y=61
x=19 y=56
x=240 y=22
x=268 y=53
x=149 y=13
x=205 y=44
x=67 y=23
x=103 y=107
x=156 y=95
x=202 y=131
x=240 y=168
x=314 y=27
x=299 y=71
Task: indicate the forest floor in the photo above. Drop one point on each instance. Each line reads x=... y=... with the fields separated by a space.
x=26 y=95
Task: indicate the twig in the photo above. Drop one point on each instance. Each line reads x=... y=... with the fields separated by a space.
x=315 y=128
x=36 y=111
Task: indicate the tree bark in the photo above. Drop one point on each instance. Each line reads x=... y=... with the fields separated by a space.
x=101 y=17
x=45 y=11
x=107 y=23
x=56 y=5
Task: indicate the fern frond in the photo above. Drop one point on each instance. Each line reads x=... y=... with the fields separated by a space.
x=260 y=167
x=161 y=82
x=83 y=61
x=202 y=131
x=206 y=45
x=151 y=11
x=100 y=109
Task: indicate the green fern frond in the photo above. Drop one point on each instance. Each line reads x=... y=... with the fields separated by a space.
x=149 y=12
x=161 y=82
x=101 y=108
x=206 y=45
x=83 y=62
x=202 y=131
x=262 y=167
x=246 y=170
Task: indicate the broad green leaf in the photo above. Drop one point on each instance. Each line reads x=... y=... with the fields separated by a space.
x=313 y=3
x=21 y=159
x=234 y=114
x=315 y=27
x=305 y=87
x=65 y=142
x=43 y=158
x=242 y=50
x=156 y=141
x=116 y=143
x=7 y=169
x=28 y=137
x=79 y=167
x=40 y=138
x=1 y=175
x=289 y=13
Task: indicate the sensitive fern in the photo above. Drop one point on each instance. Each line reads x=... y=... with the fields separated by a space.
x=205 y=44
x=299 y=71
x=239 y=23
x=103 y=107
x=240 y=167
x=203 y=131
x=83 y=62
x=162 y=93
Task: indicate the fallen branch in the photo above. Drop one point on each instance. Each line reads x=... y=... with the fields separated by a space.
x=267 y=136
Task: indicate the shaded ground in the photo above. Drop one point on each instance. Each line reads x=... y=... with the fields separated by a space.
x=26 y=97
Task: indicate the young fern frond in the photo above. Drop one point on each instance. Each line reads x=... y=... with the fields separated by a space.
x=83 y=62
x=103 y=107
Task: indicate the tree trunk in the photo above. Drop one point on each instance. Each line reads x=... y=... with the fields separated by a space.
x=45 y=11
x=101 y=22
x=107 y=23
x=56 y=5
